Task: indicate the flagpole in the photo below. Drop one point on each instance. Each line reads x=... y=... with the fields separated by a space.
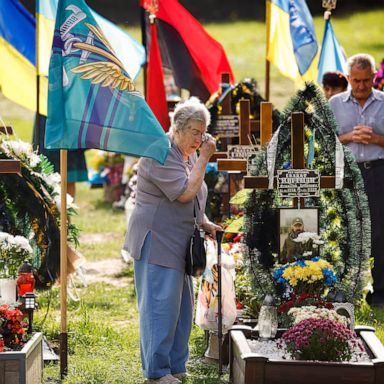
x=144 y=42
x=37 y=123
x=267 y=63
x=63 y=266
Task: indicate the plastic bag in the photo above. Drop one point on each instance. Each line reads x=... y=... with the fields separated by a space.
x=207 y=302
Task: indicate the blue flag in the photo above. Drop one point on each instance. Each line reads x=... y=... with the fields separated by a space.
x=17 y=53
x=129 y=51
x=291 y=39
x=332 y=57
x=92 y=101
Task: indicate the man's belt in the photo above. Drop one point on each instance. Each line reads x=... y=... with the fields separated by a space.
x=371 y=164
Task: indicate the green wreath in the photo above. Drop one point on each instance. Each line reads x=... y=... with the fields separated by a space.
x=344 y=214
x=28 y=208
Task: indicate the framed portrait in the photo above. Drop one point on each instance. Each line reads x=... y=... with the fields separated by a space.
x=292 y=221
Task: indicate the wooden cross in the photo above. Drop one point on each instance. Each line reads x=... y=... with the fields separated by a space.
x=6 y=165
x=245 y=130
x=297 y=156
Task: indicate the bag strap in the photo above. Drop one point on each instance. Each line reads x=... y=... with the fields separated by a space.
x=194 y=211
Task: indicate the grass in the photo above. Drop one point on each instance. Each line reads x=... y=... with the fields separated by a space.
x=103 y=323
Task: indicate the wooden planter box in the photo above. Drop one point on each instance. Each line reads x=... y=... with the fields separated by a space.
x=25 y=366
x=247 y=367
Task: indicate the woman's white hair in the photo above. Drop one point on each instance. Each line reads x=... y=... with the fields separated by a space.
x=361 y=61
x=191 y=109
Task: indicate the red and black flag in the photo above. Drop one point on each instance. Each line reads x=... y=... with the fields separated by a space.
x=155 y=92
x=194 y=59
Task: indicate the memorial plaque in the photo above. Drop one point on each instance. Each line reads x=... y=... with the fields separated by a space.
x=226 y=126
x=241 y=151
x=298 y=183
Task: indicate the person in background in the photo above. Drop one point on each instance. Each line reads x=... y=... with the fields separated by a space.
x=294 y=250
x=360 y=118
x=334 y=83
x=159 y=230
x=379 y=78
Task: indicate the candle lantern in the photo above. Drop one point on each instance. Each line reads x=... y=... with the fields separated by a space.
x=26 y=280
x=267 y=321
x=29 y=301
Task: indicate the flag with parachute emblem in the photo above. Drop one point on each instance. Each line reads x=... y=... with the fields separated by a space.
x=92 y=101
x=128 y=50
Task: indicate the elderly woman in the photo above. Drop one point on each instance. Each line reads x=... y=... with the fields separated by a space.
x=158 y=233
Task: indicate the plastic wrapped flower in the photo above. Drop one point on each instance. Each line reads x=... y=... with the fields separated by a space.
x=306 y=276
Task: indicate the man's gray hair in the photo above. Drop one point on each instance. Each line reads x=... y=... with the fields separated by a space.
x=191 y=109
x=361 y=61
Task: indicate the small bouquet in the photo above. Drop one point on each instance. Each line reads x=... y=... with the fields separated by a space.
x=306 y=276
x=13 y=251
x=320 y=339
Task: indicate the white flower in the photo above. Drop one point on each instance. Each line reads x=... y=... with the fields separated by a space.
x=53 y=180
x=70 y=203
x=22 y=243
x=34 y=160
x=21 y=150
x=13 y=251
x=18 y=148
x=312 y=312
x=304 y=237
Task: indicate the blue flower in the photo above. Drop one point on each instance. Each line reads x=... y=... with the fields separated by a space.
x=287 y=165
x=278 y=274
x=329 y=276
x=300 y=263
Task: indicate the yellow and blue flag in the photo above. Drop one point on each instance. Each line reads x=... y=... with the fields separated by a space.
x=92 y=102
x=332 y=57
x=17 y=56
x=128 y=50
x=291 y=39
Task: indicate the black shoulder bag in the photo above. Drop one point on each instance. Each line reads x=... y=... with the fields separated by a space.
x=196 y=258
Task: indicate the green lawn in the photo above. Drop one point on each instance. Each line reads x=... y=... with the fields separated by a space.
x=103 y=324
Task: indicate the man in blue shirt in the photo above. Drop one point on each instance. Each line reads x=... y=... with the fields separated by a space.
x=360 y=116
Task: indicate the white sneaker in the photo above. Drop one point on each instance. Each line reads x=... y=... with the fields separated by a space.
x=167 y=379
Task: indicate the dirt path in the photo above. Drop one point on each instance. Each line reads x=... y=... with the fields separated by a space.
x=106 y=270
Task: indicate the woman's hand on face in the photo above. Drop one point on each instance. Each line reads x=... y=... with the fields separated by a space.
x=210 y=229
x=208 y=146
